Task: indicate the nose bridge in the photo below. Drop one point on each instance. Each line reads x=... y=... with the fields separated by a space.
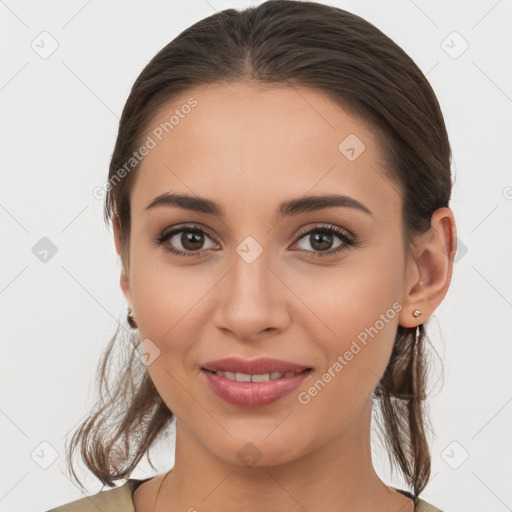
x=250 y=280
x=252 y=297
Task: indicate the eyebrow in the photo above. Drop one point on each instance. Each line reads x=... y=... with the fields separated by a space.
x=285 y=209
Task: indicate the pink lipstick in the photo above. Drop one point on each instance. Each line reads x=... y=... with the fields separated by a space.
x=253 y=383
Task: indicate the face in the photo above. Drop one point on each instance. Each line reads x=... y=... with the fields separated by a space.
x=322 y=288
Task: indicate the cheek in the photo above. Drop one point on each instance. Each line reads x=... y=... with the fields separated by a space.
x=346 y=300
x=172 y=309
x=167 y=302
x=165 y=292
x=353 y=316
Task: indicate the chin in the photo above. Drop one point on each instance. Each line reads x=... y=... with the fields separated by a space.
x=256 y=450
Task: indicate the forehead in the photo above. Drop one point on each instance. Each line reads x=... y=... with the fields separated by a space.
x=241 y=141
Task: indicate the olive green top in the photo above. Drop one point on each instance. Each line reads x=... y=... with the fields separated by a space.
x=119 y=499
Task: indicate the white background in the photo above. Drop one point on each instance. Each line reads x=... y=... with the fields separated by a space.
x=59 y=119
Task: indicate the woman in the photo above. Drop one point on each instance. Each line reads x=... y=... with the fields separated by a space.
x=279 y=195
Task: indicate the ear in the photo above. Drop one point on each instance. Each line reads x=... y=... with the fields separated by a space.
x=429 y=271
x=118 y=239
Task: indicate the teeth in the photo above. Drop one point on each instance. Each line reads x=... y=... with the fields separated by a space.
x=245 y=377
x=260 y=378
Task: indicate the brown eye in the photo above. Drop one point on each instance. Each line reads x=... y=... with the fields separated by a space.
x=322 y=238
x=321 y=241
x=184 y=241
x=191 y=241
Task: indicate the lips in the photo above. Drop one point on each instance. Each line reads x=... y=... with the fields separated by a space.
x=253 y=394
x=259 y=366
x=253 y=383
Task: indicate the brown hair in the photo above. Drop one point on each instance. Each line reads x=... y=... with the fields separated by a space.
x=347 y=58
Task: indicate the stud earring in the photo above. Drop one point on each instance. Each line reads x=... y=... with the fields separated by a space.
x=416 y=313
x=131 y=319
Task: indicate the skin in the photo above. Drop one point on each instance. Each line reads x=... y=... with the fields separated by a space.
x=250 y=147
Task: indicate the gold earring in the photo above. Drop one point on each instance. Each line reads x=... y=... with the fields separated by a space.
x=416 y=314
x=131 y=319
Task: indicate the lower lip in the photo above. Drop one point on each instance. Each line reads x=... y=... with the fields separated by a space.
x=253 y=394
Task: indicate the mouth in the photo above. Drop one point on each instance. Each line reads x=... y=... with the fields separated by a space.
x=253 y=382
x=261 y=377
x=258 y=368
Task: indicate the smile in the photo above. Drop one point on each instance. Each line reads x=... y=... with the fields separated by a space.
x=245 y=377
x=247 y=390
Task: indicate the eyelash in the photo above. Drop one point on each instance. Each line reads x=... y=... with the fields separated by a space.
x=349 y=240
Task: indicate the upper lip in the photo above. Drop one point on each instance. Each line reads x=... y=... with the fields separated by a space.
x=255 y=366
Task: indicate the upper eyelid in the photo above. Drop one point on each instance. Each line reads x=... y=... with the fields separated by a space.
x=327 y=226
x=177 y=229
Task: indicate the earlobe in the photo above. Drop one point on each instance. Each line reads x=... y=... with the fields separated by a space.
x=433 y=260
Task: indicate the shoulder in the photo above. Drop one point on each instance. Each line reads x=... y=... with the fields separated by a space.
x=117 y=499
x=423 y=506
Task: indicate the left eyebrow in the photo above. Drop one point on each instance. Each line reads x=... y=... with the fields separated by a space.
x=285 y=209
x=312 y=203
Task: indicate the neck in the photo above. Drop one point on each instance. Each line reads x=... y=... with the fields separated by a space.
x=338 y=475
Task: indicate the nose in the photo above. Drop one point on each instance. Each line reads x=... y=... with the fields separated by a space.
x=252 y=300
